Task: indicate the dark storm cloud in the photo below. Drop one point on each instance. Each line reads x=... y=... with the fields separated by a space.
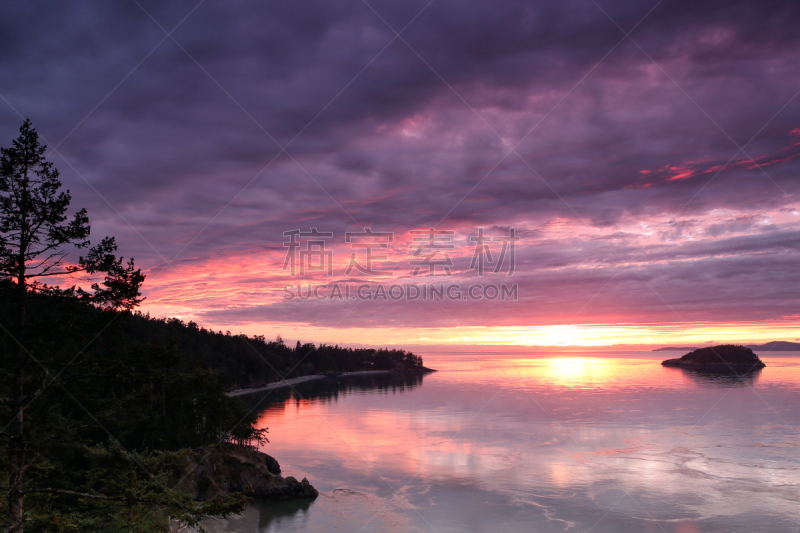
x=401 y=133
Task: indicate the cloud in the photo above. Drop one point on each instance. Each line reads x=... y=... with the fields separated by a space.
x=617 y=160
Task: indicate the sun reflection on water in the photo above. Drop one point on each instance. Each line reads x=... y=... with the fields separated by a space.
x=552 y=440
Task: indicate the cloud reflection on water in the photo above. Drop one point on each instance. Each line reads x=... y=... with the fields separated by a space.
x=556 y=443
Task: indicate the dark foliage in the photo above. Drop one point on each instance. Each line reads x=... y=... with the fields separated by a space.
x=37 y=235
x=87 y=440
x=724 y=353
x=119 y=390
x=110 y=417
x=248 y=361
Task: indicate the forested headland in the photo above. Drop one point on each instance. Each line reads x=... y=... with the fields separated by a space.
x=107 y=414
x=122 y=399
x=247 y=361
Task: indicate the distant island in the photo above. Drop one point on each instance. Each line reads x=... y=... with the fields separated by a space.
x=675 y=349
x=722 y=358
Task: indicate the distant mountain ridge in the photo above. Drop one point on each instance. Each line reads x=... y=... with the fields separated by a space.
x=776 y=346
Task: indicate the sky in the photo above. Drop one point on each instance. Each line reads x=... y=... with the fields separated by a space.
x=644 y=156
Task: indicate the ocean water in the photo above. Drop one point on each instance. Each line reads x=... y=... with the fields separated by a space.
x=547 y=443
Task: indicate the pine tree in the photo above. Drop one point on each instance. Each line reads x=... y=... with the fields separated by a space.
x=36 y=238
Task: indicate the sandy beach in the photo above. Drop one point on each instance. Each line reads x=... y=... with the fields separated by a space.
x=301 y=379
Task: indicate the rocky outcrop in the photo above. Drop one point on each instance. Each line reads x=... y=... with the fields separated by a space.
x=235 y=469
x=722 y=358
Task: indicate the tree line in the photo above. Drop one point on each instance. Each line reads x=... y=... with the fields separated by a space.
x=247 y=361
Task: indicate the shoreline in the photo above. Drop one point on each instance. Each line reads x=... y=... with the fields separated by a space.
x=303 y=379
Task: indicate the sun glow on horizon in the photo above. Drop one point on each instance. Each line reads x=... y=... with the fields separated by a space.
x=557 y=335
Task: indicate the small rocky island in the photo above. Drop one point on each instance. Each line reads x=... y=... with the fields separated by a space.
x=722 y=358
x=237 y=469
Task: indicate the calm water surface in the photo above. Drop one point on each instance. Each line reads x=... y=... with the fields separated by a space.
x=543 y=444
